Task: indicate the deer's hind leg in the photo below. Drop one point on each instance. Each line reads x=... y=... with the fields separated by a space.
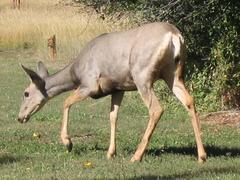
x=182 y=94
x=78 y=95
x=155 y=111
x=176 y=84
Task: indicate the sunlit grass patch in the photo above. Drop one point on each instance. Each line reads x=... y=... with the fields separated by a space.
x=32 y=25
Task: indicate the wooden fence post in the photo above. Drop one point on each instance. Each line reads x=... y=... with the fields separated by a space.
x=52 y=47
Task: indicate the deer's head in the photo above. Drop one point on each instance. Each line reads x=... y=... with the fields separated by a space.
x=35 y=95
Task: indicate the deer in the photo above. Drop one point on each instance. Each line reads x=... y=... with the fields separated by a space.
x=16 y=3
x=111 y=64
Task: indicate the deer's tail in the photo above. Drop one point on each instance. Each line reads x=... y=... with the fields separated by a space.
x=179 y=53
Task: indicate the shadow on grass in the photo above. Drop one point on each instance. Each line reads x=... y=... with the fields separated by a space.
x=7 y=159
x=81 y=150
x=212 y=151
x=193 y=174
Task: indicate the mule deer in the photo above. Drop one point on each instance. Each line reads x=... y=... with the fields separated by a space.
x=16 y=3
x=110 y=65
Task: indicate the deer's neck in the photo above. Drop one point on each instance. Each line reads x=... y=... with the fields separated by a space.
x=60 y=82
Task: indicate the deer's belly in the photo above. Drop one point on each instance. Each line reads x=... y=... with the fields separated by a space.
x=106 y=86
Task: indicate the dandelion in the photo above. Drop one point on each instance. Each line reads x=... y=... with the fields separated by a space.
x=87 y=165
x=36 y=135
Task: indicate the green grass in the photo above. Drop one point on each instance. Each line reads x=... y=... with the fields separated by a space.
x=31 y=26
x=171 y=153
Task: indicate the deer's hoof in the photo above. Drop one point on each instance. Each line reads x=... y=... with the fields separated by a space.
x=69 y=146
x=134 y=159
x=202 y=158
x=110 y=156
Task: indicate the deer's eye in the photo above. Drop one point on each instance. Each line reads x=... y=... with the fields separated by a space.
x=26 y=94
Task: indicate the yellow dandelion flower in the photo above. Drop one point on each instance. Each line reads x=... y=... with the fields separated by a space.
x=88 y=165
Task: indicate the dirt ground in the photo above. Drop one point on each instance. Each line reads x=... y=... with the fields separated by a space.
x=228 y=118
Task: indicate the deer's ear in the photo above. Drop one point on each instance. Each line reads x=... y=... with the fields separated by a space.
x=34 y=77
x=42 y=70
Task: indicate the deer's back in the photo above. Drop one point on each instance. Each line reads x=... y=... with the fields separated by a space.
x=107 y=61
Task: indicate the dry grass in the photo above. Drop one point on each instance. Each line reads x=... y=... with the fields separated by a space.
x=37 y=20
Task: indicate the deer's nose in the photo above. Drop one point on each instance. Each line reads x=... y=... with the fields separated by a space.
x=24 y=119
x=20 y=120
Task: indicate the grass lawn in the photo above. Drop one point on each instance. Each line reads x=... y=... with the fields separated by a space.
x=171 y=153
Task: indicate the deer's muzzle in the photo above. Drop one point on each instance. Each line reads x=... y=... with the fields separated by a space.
x=23 y=120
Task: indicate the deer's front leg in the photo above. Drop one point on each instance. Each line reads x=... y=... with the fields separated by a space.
x=77 y=95
x=115 y=104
